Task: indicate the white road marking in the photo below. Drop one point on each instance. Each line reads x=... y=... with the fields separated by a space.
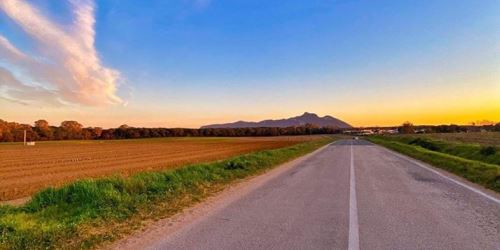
x=444 y=176
x=353 y=243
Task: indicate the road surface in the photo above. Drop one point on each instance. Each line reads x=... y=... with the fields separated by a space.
x=349 y=195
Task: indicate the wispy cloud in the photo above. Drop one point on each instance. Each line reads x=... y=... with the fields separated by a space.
x=66 y=69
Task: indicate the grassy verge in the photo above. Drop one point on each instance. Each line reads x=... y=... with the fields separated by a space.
x=472 y=151
x=88 y=212
x=485 y=174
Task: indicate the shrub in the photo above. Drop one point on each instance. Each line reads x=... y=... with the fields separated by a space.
x=235 y=164
x=425 y=144
x=488 y=150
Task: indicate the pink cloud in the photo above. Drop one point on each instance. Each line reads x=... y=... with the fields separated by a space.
x=67 y=64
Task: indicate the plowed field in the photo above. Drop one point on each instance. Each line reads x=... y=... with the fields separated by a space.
x=27 y=169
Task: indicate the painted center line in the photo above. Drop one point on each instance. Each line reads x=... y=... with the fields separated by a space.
x=353 y=243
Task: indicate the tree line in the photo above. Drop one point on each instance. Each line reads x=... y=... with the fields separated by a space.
x=73 y=130
x=409 y=128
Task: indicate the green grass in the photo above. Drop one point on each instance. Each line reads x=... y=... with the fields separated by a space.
x=89 y=212
x=478 y=138
x=452 y=159
x=469 y=151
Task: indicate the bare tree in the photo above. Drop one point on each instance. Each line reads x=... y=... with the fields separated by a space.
x=407 y=128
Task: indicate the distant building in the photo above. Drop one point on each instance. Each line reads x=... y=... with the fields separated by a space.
x=420 y=131
x=361 y=132
x=366 y=132
x=387 y=131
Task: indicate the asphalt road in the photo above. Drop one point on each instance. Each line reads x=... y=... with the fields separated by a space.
x=350 y=195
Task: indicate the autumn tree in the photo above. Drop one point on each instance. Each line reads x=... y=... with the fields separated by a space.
x=96 y=132
x=71 y=130
x=124 y=127
x=43 y=130
x=5 y=132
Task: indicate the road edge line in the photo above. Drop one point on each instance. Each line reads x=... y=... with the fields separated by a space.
x=419 y=164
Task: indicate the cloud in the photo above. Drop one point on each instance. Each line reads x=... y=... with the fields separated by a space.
x=7 y=50
x=66 y=67
x=13 y=90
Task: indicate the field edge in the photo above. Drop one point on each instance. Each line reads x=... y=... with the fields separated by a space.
x=27 y=170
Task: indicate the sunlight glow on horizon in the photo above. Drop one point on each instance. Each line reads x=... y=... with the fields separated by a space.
x=192 y=63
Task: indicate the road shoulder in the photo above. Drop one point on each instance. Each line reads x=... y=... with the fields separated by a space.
x=159 y=229
x=446 y=174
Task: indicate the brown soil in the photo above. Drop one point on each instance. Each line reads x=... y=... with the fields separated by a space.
x=27 y=169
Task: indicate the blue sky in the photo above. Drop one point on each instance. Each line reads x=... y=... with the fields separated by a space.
x=188 y=62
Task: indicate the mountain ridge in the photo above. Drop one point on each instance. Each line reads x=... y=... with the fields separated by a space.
x=306 y=118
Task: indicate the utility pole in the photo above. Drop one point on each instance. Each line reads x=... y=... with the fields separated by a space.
x=25 y=137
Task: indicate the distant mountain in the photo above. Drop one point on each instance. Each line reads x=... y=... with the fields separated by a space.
x=306 y=118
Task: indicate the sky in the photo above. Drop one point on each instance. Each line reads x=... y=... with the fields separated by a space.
x=187 y=63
